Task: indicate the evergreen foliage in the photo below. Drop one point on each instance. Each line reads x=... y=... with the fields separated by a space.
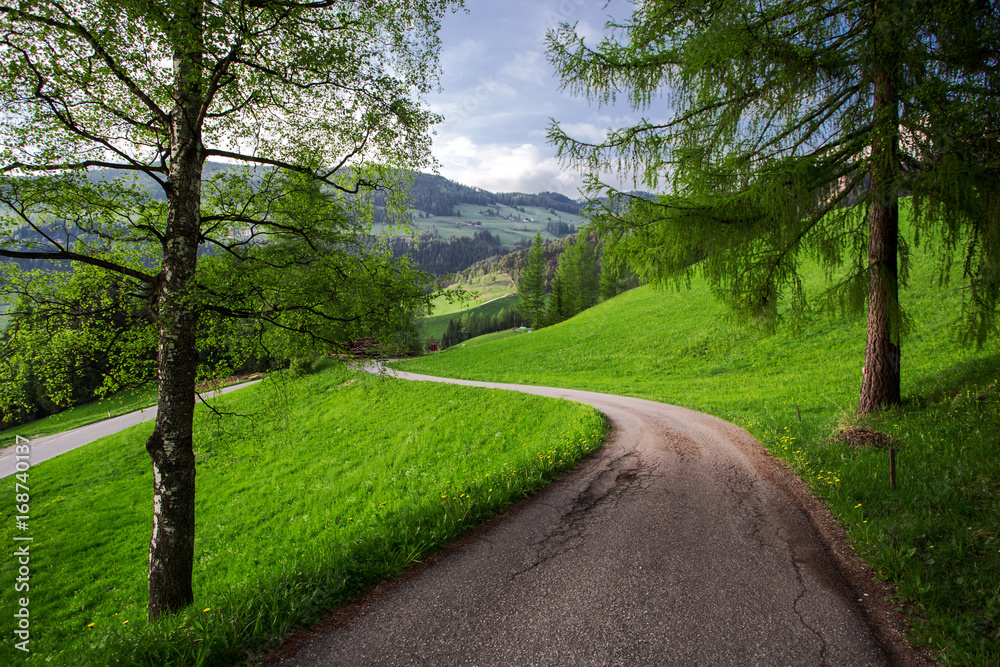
x=446 y=257
x=615 y=279
x=576 y=284
x=560 y=228
x=785 y=130
x=531 y=287
x=474 y=324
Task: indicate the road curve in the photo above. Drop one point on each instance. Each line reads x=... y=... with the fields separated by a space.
x=679 y=543
x=50 y=446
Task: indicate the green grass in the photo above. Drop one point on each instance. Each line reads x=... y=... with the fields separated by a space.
x=487 y=288
x=508 y=231
x=123 y=402
x=435 y=325
x=937 y=536
x=339 y=480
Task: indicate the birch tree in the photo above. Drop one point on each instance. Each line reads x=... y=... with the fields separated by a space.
x=318 y=100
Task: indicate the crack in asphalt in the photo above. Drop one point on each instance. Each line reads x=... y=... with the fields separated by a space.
x=601 y=494
x=747 y=494
x=803 y=591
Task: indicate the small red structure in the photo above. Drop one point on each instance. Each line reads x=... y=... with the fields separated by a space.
x=434 y=347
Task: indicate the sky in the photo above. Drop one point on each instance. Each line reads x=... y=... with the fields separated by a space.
x=499 y=92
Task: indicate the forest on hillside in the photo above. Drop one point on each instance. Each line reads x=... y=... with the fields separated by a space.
x=439 y=196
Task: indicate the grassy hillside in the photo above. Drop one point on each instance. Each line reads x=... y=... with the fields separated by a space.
x=487 y=288
x=434 y=326
x=324 y=486
x=529 y=221
x=936 y=536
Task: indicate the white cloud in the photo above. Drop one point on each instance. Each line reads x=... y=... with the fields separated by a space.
x=592 y=35
x=500 y=92
x=500 y=168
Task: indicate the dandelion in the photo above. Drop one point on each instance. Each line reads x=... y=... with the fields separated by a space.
x=206 y=609
x=90 y=625
x=124 y=622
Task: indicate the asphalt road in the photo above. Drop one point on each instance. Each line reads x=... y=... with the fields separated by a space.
x=47 y=447
x=680 y=543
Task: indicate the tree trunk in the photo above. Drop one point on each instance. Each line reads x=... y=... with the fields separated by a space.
x=171 y=547
x=880 y=383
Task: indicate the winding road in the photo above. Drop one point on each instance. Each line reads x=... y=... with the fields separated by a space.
x=49 y=446
x=679 y=543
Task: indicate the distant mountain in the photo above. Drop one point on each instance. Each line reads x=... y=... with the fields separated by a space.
x=438 y=196
x=430 y=194
x=449 y=225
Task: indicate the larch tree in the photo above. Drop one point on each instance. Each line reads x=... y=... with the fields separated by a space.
x=786 y=130
x=318 y=100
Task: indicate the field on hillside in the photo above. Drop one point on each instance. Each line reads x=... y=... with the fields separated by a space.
x=936 y=536
x=533 y=219
x=486 y=288
x=434 y=327
x=326 y=485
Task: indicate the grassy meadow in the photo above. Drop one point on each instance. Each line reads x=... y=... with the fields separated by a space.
x=327 y=484
x=510 y=232
x=936 y=536
x=435 y=325
x=482 y=290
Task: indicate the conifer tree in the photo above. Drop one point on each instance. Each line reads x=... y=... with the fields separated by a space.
x=566 y=301
x=786 y=130
x=532 y=286
x=588 y=270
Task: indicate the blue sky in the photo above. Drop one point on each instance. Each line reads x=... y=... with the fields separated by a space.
x=499 y=92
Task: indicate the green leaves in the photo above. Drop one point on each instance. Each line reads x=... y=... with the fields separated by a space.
x=73 y=336
x=762 y=124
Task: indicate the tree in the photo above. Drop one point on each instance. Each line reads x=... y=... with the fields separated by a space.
x=531 y=289
x=588 y=270
x=72 y=337
x=615 y=278
x=315 y=99
x=566 y=285
x=789 y=130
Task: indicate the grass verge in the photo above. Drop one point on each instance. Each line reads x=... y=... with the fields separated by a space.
x=339 y=480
